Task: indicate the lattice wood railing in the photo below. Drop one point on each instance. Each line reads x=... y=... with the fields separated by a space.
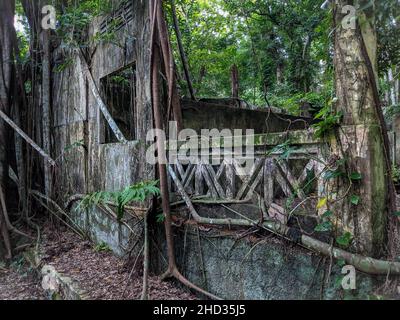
x=292 y=171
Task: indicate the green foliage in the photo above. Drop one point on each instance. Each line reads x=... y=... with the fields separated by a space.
x=327 y=214
x=284 y=150
x=307 y=186
x=345 y=239
x=135 y=193
x=341 y=263
x=356 y=176
x=324 y=226
x=391 y=111
x=74 y=21
x=333 y=174
x=396 y=174
x=102 y=247
x=328 y=122
x=60 y=67
x=388 y=29
x=264 y=39
x=74 y=145
x=355 y=200
x=282 y=97
x=160 y=218
x=120 y=80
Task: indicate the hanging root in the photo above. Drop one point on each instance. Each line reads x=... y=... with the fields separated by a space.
x=159 y=34
x=7 y=221
x=174 y=273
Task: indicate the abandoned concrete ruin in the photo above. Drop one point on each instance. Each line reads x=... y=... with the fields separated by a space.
x=227 y=261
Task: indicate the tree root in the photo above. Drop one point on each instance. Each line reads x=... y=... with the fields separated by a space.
x=174 y=273
x=74 y=227
x=160 y=34
x=6 y=218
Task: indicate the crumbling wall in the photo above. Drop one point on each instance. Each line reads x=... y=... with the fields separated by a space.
x=256 y=269
x=86 y=165
x=199 y=115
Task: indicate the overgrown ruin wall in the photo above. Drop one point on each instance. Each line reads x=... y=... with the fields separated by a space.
x=234 y=269
x=85 y=164
x=199 y=115
x=269 y=269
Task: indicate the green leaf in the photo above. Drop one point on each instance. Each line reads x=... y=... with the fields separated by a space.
x=135 y=193
x=341 y=263
x=356 y=176
x=397 y=213
x=330 y=174
x=160 y=218
x=327 y=214
x=324 y=227
x=345 y=239
x=355 y=200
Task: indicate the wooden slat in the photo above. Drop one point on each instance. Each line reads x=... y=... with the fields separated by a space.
x=290 y=179
x=230 y=180
x=246 y=180
x=199 y=181
x=269 y=173
x=212 y=189
x=214 y=179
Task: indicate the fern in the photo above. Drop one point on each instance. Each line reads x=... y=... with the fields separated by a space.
x=136 y=193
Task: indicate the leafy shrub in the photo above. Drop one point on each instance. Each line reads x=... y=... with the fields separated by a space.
x=135 y=193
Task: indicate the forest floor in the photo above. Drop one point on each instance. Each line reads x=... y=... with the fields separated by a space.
x=100 y=274
x=17 y=283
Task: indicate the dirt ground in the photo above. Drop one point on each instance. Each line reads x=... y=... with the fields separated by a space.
x=19 y=285
x=97 y=271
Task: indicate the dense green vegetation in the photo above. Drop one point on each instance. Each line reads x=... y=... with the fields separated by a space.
x=283 y=49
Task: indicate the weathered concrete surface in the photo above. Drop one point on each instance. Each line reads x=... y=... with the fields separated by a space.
x=201 y=115
x=268 y=268
x=102 y=228
x=272 y=269
x=60 y=287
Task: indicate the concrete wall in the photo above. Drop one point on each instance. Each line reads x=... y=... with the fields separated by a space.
x=102 y=228
x=198 y=115
x=272 y=269
x=86 y=165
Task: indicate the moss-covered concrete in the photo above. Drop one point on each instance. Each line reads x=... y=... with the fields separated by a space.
x=199 y=115
x=271 y=269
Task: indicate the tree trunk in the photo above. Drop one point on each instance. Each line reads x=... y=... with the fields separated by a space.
x=46 y=108
x=6 y=20
x=235 y=81
x=363 y=141
x=182 y=51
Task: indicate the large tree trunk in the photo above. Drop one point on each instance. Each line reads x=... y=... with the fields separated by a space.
x=6 y=20
x=46 y=109
x=363 y=140
x=235 y=81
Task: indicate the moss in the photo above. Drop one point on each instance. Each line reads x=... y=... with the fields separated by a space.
x=266 y=139
x=379 y=190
